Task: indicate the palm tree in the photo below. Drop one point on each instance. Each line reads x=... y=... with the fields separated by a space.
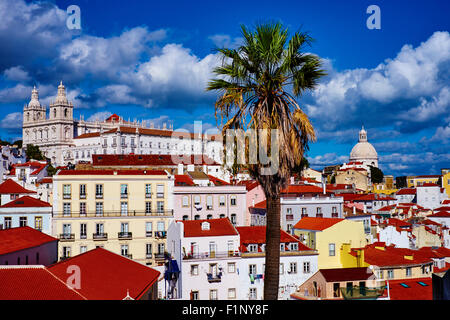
x=253 y=82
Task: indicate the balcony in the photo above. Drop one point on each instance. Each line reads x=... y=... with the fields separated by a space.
x=129 y=256
x=83 y=236
x=82 y=195
x=160 y=234
x=334 y=215
x=289 y=217
x=211 y=255
x=160 y=256
x=148 y=255
x=125 y=235
x=124 y=196
x=100 y=236
x=149 y=233
x=67 y=196
x=214 y=278
x=148 y=195
x=67 y=237
x=99 y=196
x=107 y=213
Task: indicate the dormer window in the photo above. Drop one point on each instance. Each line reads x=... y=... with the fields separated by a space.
x=294 y=246
x=206 y=225
x=252 y=248
x=282 y=247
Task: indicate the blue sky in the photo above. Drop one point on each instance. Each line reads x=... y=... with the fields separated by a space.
x=151 y=60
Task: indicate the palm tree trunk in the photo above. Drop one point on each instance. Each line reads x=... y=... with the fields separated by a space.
x=272 y=270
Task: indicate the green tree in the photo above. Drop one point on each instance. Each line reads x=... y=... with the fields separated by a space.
x=376 y=175
x=33 y=152
x=18 y=143
x=51 y=170
x=253 y=81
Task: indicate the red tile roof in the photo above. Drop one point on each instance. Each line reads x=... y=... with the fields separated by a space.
x=26 y=202
x=217 y=181
x=346 y=274
x=249 y=184
x=16 y=239
x=33 y=283
x=257 y=235
x=108 y=276
x=318 y=224
x=398 y=223
x=183 y=180
x=302 y=189
x=35 y=165
x=260 y=205
x=111 y=172
x=414 y=291
x=10 y=186
x=446 y=201
x=428 y=185
x=428 y=176
x=218 y=227
x=150 y=160
x=406 y=191
x=373 y=197
x=440 y=214
x=392 y=256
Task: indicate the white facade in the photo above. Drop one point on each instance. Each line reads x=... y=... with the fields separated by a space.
x=430 y=197
x=39 y=218
x=207 y=255
x=391 y=235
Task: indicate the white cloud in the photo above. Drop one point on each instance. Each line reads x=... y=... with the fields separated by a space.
x=12 y=121
x=99 y=116
x=16 y=74
x=225 y=41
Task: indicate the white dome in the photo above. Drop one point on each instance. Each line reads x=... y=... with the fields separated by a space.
x=34 y=102
x=363 y=151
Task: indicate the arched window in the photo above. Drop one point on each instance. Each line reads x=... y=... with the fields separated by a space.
x=66 y=113
x=28 y=116
x=54 y=112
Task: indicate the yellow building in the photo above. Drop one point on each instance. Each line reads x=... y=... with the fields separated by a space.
x=328 y=235
x=388 y=262
x=357 y=176
x=446 y=183
x=124 y=211
x=420 y=180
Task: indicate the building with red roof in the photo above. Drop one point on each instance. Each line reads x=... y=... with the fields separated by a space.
x=25 y=211
x=409 y=289
x=28 y=172
x=108 y=276
x=27 y=246
x=10 y=190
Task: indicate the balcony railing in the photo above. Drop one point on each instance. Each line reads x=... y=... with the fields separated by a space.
x=99 y=196
x=106 y=213
x=364 y=293
x=100 y=236
x=148 y=195
x=129 y=256
x=210 y=255
x=83 y=236
x=67 y=237
x=125 y=235
x=82 y=195
x=123 y=195
x=148 y=255
x=67 y=196
x=149 y=233
x=214 y=278
x=160 y=256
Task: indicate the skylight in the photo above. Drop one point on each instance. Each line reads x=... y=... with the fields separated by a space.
x=422 y=283
x=404 y=285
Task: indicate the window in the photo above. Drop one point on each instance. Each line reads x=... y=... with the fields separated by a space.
x=212 y=249
x=161 y=226
x=123 y=191
x=148 y=229
x=221 y=216
x=99 y=191
x=160 y=206
x=67 y=228
x=231 y=293
x=38 y=223
x=331 y=249
x=281 y=268
x=160 y=248
x=124 y=250
x=194 y=295
x=209 y=216
x=148 y=251
x=306 y=267
x=390 y=274
x=185 y=201
x=252 y=248
x=99 y=208
x=8 y=222
x=252 y=269
x=213 y=294
x=124 y=208
x=66 y=209
x=233 y=218
x=194 y=270
x=83 y=208
x=231 y=267
x=160 y=191
x=67 y=191
x=148 y=207
x=252 y=294
x=83 y=249
x=124 y=228
x=185 y=217
x=83 y=230
x=336 y=290
x=197 y=200
x=23 y=221
x=66 y=252
x=408 y=271
x=99 y=228
x=197 y=217
x=148 y=190
x=222 y=201
x=293 y=267
x=233 y=200
x=209 y=203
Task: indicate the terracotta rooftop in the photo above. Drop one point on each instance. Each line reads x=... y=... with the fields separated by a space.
x=10 y=186
x=112 y=172
x=149 y=160
x=33 y=283
x=183 y=180
x=317 y=224
x=410 y=289
x=406 y=191
x=26 y=202
x=108 y=276
x=21 y=238
x=217 y=227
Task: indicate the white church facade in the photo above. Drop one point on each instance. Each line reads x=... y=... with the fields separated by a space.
x=65 y=140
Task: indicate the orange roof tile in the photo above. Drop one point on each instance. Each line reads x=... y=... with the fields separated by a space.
x=218 y=227
x=16 y=239
x=317 y=224
x=26 y=202
x=10 y=186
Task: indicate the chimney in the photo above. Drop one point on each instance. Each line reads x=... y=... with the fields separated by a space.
x=354 y=210
x=292 y=180
x=324 y=185
x=180 y=168
x=365 y=208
